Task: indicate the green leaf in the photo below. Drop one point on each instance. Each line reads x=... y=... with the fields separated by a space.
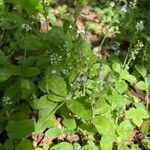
x=15 y=70
x=69 y=123
x=1 y=147
x=53 y=132
x=126 y=76
x=31 y=72
x=147 y=142
x=46 y=121
x=45 y=117
x=44 y=103
x=3 y=58
x=104 y=125
x=31 y=42
x=90 y=146
x=1 y=3
x=27 y=88
x=137 y=115
x=122 y=146
x=81 y=108
x=58 y=85
x=106 y=143
x=13 y=92
x=121 y=87
x=141 y=69
x=124 y=129
x=54 y=98
x=141 y=85
x=9 y=145
x=4 y=74
x=29 y=5
x=86 y=49
x=25 y=145
x=116 y=100
x=145 y=126
x=117 y=67
x=55 y=84
x=129 y=78
x=62 y=146
x=2 y=122
x=76 y=146
x=20 y=129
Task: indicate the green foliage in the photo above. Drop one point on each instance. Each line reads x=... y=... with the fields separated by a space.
x=55 y=93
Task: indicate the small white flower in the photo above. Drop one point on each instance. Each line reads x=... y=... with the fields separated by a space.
x=26 y=27
x=140 y=25
x=70 y=26
x=101 y=88
x=112 y=4
x=7 y=100
x=140 y=44
x=124 y=9
x=53 y=71
x=79 y=79
x=84 y=79
x=102 y=75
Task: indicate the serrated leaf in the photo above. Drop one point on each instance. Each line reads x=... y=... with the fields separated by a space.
x=20 y=129
x=141 y=69
x=62 y=146
x=106 y=143
x=137 y=115
x=122 y=146
x=81 y=108
x=25 y=145
x=121 y=87
x=141 y=85
x=124 y=129
x=5 y=74
x=104 y=125
x=116 y=100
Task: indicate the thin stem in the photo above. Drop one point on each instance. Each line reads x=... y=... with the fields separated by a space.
x=103 y=40
x=3 y=31
x=47 y=82
x=127 y=56
x=147 y=94
x=45 y=14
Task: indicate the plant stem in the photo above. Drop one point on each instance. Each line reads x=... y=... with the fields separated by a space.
x=45 y=14
x=147 y=94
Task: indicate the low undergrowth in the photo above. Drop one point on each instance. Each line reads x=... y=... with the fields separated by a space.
x=56 y=92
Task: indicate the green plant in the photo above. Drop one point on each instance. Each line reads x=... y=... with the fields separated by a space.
x=56 y=94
